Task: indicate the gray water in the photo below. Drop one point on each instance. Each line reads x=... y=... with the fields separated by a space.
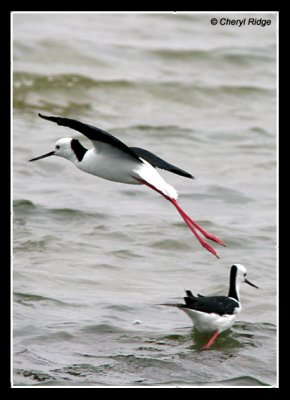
x=92 y=259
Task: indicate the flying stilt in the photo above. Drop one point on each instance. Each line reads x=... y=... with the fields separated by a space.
x=111 y=159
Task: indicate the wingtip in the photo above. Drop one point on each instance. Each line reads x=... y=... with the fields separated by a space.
x=187 y=175
x=188 y=293
x=43 y=116
x=50 y=118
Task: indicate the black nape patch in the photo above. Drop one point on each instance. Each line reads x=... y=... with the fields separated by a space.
x=78 y=149
x=233 y=277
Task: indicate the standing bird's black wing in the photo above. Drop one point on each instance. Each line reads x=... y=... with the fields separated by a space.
x=212 y=304
x=96 y=135
x=156 y=161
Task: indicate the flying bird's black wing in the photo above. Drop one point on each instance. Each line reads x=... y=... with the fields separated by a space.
x=156 y=161
x=96 y=135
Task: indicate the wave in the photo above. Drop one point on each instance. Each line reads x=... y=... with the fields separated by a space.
x=222 y=55
x=35 y=82
x=29 y=298
x=244 y=380
x=24 y=206
x=25 y=83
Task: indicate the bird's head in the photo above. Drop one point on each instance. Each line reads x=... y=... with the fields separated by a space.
x=241 y=273
x=63 y=148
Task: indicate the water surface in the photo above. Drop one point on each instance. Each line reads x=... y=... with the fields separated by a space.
x=93 y=260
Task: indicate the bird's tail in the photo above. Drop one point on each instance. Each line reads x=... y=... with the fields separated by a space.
x=176 y=305
x=148 y=175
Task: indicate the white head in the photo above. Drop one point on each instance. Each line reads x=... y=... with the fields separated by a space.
x=237 y=275
x=68 y=148
x=64 y=148
x=241 y=271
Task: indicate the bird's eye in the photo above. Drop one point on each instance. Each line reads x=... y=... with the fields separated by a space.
x=245 y=275
x=57 y=147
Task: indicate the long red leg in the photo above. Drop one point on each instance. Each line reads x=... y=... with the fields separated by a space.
x=191 y=227
x=211 y=340
x=189 y=222
x=209 y=236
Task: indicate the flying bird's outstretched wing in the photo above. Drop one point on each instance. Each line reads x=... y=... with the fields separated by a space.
x=96 y=135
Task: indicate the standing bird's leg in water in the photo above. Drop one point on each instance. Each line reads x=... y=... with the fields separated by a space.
x=211 y=340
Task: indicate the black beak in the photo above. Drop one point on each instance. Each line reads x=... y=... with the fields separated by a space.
x=250 y=283
x=44 y=156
